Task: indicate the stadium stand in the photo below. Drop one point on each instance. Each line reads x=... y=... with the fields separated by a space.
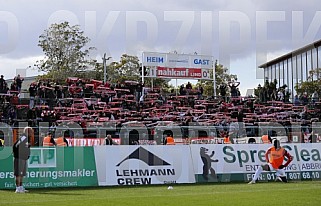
x=91 y=103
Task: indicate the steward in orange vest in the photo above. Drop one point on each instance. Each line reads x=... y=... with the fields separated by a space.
x=170 y=140
x=274 y=157
x=61 y=142
x=48 y=141
x=227 y=140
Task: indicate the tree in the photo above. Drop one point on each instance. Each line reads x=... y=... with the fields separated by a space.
x=65 y=51
x=127 y=69
x=221 y=76
x=313 y=84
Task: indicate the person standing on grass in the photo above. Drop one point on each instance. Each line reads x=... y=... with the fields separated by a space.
x=274 y=157
x=21 y=153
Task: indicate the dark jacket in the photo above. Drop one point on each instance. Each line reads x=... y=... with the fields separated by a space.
x=21 y=148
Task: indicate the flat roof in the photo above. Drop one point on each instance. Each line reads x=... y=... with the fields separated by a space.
x=291 y=54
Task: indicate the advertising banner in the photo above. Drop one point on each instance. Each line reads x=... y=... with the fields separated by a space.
x=83 y=142
x=182 y=73
x=143 y=165
x=179 y=73
x=52 y=167
x=225 y=163
x=171 y=60
x=201 y=61
x=154 y=59
x=178 y=60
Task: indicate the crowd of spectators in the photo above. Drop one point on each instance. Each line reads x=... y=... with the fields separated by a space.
x=88 y=102
x=9 y=98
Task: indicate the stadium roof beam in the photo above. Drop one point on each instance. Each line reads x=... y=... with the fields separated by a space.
x=293 y=53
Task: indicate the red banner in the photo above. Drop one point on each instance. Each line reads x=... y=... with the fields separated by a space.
x=182 y=73
x=83 y=142
x=179 y=72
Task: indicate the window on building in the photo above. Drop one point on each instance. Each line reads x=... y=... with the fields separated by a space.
x=314 y=62
x=308 y=62
x=290 y=76
x=270 y=74
x=281 y=70
x=295 y=71
x=273 y=73
x=319 y=57
x=286 y=73
x=304 y=67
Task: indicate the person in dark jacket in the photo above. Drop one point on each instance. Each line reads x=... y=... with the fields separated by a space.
x=21 y=153
x=109 y=140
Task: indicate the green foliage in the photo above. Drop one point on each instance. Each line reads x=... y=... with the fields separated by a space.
x=221 y=76
x=313 y=84
x=159 y=83
x=66 y=56
x=65 y=51
x=127 y=69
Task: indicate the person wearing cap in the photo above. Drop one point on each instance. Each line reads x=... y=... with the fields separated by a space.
x=21 y=153
x=274 y=157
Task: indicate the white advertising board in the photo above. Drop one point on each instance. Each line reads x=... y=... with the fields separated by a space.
x=172 y=60
x=236 y=162
x=142 y=165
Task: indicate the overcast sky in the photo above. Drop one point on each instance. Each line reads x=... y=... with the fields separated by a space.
x=240 y=34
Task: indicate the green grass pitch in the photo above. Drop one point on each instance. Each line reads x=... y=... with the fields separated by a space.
x=273 y=193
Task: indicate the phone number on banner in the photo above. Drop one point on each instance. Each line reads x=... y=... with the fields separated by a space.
x=306 y=175
x=303 y=175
